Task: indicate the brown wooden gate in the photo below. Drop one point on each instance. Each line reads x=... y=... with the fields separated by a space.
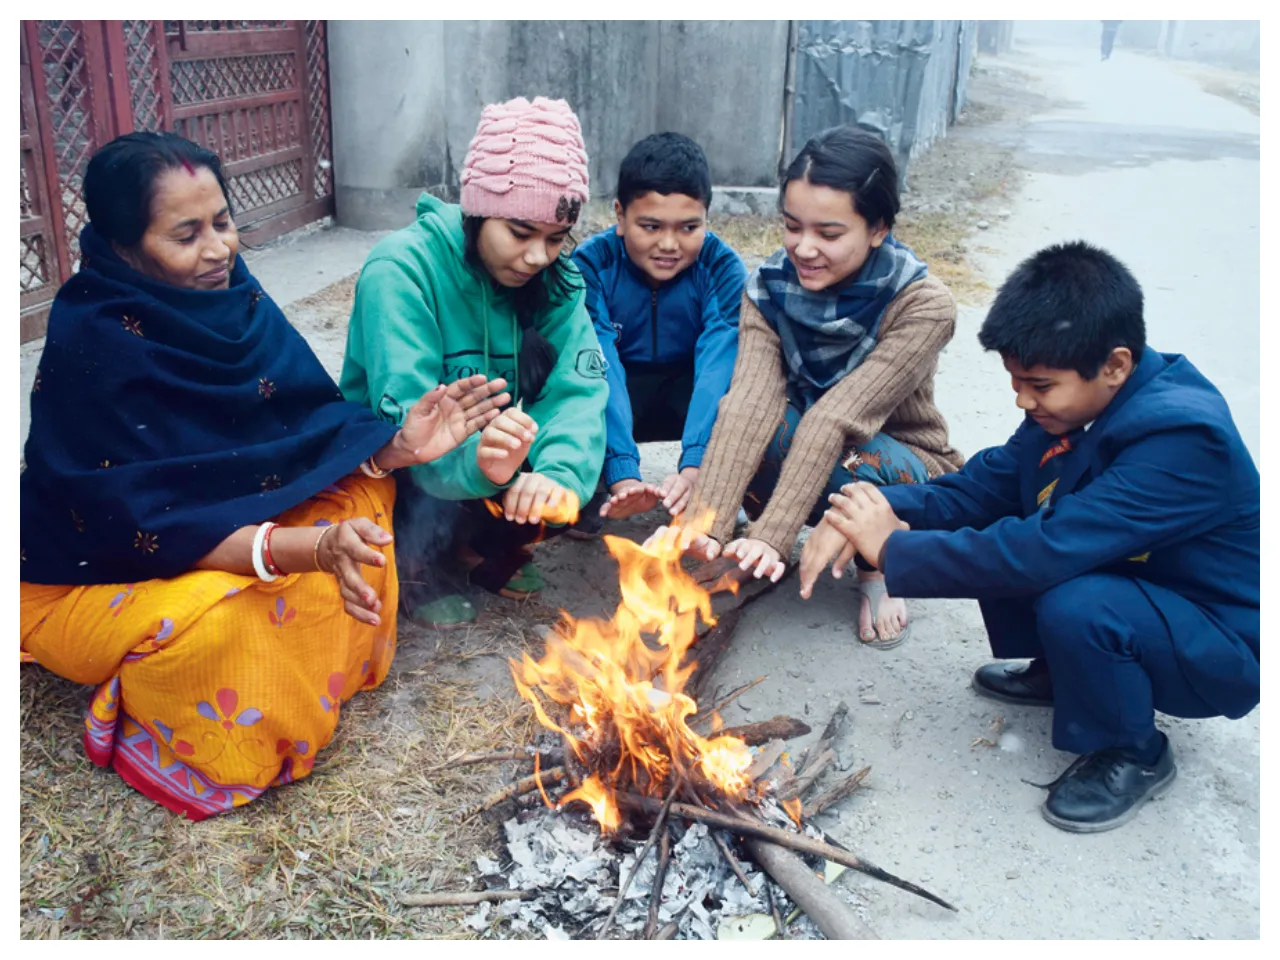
x=256 y=92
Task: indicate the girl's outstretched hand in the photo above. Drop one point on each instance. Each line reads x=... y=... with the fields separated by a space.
x=756 y=553
x=446 y=416
x=504 y=445
x=686 y=539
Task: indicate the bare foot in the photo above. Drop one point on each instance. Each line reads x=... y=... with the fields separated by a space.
x=889 y=619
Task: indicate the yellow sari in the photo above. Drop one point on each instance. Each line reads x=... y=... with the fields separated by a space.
x=213 y=686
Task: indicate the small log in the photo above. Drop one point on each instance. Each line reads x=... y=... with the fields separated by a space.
x=668 y=932
x=829 y=736
x=707 y=651
x=765 y=759
x=823 y=905
x=519 y=788
x=463 y=899
x=659 y=878
x=805 y=779
x=777 y=728
x=837 y=793
x=784 y=838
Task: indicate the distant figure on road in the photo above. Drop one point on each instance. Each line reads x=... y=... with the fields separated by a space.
x=1109 y=30
x=1114 y=539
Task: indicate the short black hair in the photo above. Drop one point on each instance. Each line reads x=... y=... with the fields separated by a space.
x=120 y=180
x=1066 y=307
x=856 y=161
x=664 y=163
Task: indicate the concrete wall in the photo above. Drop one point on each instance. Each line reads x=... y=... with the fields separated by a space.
x=720 y=82
x=407 y=95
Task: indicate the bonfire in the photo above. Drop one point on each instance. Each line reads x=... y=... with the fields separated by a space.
x=619 y=700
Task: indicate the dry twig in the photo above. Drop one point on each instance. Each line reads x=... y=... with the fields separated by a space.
x=837 y=793
x=659 y=878
x=463 y=898
x=734 y=865
x=518 y=789
x=659 y=826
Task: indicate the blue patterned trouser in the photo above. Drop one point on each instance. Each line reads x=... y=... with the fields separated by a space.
x=882 y=460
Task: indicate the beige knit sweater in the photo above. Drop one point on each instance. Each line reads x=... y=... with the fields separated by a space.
x=891 y=391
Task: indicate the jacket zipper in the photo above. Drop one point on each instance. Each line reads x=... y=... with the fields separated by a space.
x=653 y=301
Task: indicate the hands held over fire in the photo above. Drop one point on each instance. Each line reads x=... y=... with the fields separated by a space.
x=504 y=445
x=757 y=554
x=860 y=520
x=442 y=419
x=629 y=497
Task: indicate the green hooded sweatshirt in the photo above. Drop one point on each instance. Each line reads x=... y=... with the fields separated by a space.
x=423 y=316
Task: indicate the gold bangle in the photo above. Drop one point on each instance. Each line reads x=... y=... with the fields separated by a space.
x=315 y=553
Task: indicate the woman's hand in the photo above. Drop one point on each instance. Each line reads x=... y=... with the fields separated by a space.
x=629 y=497
x=686 y=539
x=504 y=445
x=677 y=489
x=342 y=551
x=534 y=498
x=443 y=419
x=766 y=560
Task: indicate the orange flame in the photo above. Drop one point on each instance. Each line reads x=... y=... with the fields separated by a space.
x=793 y=808
x=563 y=513
x=622 y=682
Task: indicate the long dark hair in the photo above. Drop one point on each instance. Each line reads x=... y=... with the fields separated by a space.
x=555 y=284
x=120 y=181
x=856 y=161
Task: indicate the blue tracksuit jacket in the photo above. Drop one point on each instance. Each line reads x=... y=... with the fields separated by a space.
x=692 y=318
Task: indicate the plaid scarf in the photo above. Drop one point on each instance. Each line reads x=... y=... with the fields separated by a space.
x=826 y=334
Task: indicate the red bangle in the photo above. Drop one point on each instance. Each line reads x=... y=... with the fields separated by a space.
x=266 y=552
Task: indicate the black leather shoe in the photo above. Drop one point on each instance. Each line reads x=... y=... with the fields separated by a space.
x=1012 y=682
x=1103 y=790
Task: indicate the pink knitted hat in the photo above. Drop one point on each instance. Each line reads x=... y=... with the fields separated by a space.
x=527 y=161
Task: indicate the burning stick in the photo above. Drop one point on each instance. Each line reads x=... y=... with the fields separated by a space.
x=808 y=774
x=837 y=793
x=659 y=827
x=518 y=789
x=659 y=878
x=794 y=841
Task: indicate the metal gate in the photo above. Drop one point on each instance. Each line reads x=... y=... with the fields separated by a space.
x=256 y=92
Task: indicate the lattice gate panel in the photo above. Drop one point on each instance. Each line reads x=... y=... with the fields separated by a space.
x=256 y=92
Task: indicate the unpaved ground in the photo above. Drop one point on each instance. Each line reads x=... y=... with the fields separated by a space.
x=326 y=857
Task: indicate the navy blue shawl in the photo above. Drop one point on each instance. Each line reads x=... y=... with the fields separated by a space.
x=163 y=419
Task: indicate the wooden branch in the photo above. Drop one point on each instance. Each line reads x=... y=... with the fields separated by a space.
x=659 y=827
x=794 y=841
x=519 y=788
x=776 y=728
x=719 y=705
x=805 y=779
x=779 y=925
x=734 y=865
x=823 y=905
x=495 y=756
x=707 y=651
x=462 y=899
x=829 y=736
x=837 y=793
x=659 y=878
x=765 y=759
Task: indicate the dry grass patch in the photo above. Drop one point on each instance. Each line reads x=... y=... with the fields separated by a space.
x=325 y=857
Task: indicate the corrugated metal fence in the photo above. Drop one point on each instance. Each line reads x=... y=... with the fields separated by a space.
x=904 y=79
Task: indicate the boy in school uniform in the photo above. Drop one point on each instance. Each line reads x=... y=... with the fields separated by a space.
x=1113 y=541
x=663 y=293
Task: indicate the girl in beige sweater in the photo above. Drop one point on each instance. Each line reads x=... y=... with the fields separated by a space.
x=838 y=345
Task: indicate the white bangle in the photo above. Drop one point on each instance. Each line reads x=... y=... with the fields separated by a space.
x=371 y=469
x=259 y=567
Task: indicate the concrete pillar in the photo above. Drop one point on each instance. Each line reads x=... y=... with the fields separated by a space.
x=387 y=84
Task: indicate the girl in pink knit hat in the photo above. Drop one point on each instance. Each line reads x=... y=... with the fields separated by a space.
x=487 y=286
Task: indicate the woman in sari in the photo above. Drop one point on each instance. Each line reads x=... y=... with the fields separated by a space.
x=204 y=518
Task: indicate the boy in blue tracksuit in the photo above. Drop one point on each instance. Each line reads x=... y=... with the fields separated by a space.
x=1114 y=540
x=663 y=293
